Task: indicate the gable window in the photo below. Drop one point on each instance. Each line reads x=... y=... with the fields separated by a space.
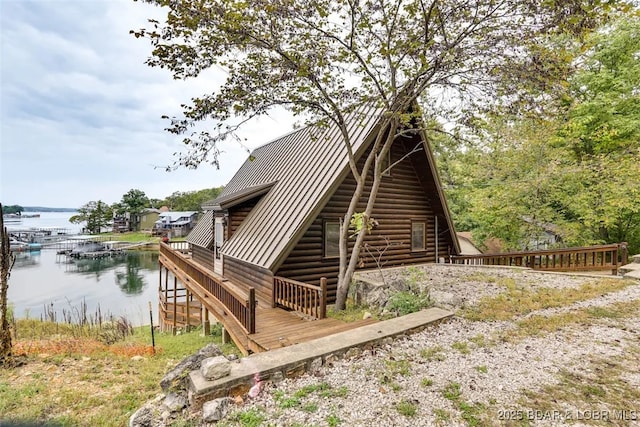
x=418 y=236
x=331 y=237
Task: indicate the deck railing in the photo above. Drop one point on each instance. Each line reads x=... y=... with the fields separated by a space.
x=176 y=313
x=239 y=304
x=302 y=297
x=590 y=258
x=183 y=247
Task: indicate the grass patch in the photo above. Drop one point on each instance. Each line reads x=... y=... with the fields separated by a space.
x=132 y=237
x=406 y=302
x=461 y=346
x=433 y=353
x=600 y=383
x=541 y=325
x=352 y=312
x=426 y=382
x=78 y=381
x=333 y=420
x=297 y=399
x=253 y=417
x=480 y=277
x=482 y=369
x=470 y=412
x=407 y=408
x=517 y=301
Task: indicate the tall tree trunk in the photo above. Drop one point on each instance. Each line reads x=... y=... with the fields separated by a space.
x=6 y=263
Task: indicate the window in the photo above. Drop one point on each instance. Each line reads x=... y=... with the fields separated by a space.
x=417 y=236
x=331 y=239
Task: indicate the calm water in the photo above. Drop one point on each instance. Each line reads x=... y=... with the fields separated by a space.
x=121 y=285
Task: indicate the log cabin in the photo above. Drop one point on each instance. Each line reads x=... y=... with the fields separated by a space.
x=272 y=233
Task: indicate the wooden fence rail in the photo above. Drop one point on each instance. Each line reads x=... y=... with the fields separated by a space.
x=590 y=258
x=302 y=297
x=241 y=305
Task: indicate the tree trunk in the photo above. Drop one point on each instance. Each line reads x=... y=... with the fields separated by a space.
x=6 y=263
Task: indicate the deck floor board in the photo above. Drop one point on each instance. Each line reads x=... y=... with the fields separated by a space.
x=275 y=327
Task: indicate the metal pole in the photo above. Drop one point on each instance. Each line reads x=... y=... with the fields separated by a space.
x=153 y=338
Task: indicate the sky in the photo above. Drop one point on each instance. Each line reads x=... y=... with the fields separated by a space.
x=80 y=112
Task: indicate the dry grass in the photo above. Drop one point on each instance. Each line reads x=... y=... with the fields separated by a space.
x=518 y=300
x=71 y=381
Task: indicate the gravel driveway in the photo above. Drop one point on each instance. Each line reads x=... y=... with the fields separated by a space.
x=573 y=364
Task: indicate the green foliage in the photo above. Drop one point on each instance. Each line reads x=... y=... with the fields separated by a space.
x=97 y=215
x=12 y=209
x=407 y=408
x=189 y=200
x=405 y=302
x=573 y=174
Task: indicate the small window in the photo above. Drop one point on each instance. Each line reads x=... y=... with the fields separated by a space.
x=331 y=239
x=417 y=236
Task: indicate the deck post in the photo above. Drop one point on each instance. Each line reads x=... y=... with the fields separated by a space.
x=188 y=314
x=251 y=324
x=225 y=336
x=175 y=303
x=206 y=326
x=323 y=297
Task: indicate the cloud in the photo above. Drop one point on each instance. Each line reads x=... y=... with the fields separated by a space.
x=81 y=112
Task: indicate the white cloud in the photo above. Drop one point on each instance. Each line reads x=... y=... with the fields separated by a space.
x=80 y=111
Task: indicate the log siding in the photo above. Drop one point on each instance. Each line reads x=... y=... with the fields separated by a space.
x=403 y=198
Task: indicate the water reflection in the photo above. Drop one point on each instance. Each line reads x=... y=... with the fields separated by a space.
x=26 y=259
x=128 y=268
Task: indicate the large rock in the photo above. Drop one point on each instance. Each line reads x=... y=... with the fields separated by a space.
x=215 y=367
x=176 y=378
x=175 y=402
x=215 y=410
x=144 y=417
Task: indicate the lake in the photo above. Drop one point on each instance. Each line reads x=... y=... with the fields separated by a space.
x=121 y=285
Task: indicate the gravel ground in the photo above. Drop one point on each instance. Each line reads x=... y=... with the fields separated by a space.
x=448 y=371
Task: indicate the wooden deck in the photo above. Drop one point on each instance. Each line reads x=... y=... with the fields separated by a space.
x=274 y=327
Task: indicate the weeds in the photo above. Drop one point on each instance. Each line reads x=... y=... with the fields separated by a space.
x=470 y=412
x=406 y=302
x=461 y=346
x=520 y=301
x=433 y=353
x=407 y=408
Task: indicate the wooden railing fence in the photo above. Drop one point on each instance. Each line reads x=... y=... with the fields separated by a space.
x=302 y=297
x=590 y=258
x=240 y=305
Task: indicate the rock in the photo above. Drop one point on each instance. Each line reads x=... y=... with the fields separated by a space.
x=213 y=368
x=176 y=378
x=232 y=357
x=215 y=410
x=367 y=315
x=175 y=402
x=447 y=299
x=315 y=365
x=137 y=358
x=277 y=377
x=352 y=352
x=143 y=417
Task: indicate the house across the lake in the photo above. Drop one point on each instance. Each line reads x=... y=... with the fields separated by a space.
x=175 y=224
x=272 y=234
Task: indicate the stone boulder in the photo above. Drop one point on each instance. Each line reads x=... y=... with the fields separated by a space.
x=213 y=368
x=215 y=410
x=176 y=378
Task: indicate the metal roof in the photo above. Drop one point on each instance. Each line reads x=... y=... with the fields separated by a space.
x=302 y=169
x=297 y=174
x=202 y=234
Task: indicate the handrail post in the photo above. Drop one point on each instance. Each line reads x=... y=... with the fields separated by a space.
x=323 y=297
x=252 y=311
x=274 y=291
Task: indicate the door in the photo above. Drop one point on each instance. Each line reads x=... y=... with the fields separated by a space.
x=219 y=240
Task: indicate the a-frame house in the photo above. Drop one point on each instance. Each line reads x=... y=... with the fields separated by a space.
x=271 y=235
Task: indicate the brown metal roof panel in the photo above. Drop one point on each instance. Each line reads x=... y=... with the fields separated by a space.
x=320 y=159
x=201 y=235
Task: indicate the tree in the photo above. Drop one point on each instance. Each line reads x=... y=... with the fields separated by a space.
x=6 y=263
x=191 y=200
x=97 y=215
x=133 y=203
x=13 y=209
x=327 y=59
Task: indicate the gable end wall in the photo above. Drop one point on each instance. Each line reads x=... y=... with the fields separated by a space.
x=401 y=199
